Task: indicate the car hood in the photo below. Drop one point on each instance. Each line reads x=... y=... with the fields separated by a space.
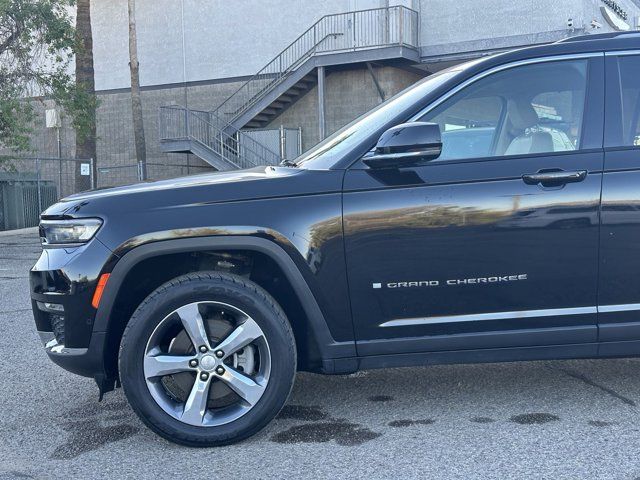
x=201 y=180
x=239 y=185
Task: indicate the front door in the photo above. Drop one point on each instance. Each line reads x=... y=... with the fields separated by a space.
x=494 y=244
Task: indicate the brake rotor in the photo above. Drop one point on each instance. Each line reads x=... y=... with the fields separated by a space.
x=179 y=385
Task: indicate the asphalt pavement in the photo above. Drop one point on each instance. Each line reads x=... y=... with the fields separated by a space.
x=552 y=420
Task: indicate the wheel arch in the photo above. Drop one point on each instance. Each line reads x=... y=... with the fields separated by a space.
x=327 y=348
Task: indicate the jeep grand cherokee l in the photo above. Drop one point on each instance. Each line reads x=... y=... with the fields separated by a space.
x=487 y=213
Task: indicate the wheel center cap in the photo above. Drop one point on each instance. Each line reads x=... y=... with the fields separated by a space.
x=208 y=362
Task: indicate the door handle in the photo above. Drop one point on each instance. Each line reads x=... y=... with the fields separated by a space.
x=554 y=178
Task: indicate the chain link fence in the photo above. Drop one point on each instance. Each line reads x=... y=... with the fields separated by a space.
x=29 y=185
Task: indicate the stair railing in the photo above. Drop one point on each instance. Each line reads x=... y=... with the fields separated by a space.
x=350 y=31
x=179 y=123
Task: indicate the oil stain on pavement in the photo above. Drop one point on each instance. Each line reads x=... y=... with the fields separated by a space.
x=380 y=398
x=87 y=435
x=92 y=409
x=600 y=423
x=104 y=423
x=321 y=428
x=410 y=423
x=99 y=424
x=534 y=418
x=14 y=474
x=342 y=432
x=482 y=420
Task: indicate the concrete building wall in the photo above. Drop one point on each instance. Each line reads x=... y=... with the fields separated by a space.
x=469 y=26
x=221 y=39
x=195 y=40
x=462 y=20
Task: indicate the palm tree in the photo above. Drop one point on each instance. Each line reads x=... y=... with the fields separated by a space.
x=86 y=86
x=136 y=102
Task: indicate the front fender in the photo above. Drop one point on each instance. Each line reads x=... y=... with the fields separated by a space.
x=136 y=250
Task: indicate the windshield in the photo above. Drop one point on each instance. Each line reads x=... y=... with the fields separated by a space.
x=327 y=152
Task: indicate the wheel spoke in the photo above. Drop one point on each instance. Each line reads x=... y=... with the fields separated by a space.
x=160 y=365
x=244 y=386
x=196 y=405
x=242 y=336
x=193 y=324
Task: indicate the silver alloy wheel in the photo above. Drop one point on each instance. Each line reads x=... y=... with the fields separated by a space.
x=208 y=361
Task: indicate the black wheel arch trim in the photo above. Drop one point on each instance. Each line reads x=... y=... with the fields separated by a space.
x=329 y=348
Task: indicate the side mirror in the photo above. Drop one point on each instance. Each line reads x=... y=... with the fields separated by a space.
x=405 y=145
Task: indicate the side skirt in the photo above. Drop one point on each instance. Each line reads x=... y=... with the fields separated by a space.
x=493 y=355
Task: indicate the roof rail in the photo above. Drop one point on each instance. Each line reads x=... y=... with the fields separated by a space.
x=598 y=36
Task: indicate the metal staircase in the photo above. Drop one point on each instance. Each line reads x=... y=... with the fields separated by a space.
x=282 y=101
x=365 y=35
x=373 y=35
x=203 y=134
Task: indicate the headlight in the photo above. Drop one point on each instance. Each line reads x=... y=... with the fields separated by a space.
x=60 y=232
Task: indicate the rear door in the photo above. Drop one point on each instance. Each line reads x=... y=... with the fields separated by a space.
x=476 y=249
x=619 y=284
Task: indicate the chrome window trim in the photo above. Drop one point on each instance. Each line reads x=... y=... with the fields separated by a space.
x=499 y=68
x=622 y=53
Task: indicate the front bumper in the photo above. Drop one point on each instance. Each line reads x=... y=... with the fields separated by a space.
x=62 y=284
x=88 y=362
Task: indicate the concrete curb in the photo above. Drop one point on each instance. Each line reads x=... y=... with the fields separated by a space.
x=20 y=231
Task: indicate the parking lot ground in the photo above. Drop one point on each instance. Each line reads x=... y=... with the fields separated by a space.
x=564 y=419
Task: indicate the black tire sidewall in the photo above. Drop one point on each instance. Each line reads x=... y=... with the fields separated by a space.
x=225 y=288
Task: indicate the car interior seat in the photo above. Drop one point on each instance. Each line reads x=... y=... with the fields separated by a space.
x=524 y=122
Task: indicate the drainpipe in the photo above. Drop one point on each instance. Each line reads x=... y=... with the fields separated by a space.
x=321 y=112
x=283 y=147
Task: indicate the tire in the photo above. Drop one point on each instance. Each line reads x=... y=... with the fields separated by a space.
x=170 y=407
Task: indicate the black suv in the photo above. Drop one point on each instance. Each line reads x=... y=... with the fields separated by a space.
x=491 y=212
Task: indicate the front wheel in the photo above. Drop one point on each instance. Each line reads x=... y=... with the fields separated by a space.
x=207 y=359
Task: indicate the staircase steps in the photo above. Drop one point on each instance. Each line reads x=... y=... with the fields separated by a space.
x=379 y=34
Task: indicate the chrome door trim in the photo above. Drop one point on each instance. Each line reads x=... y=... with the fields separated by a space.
x=475 y=317
x=624 y=307
x=551 y=312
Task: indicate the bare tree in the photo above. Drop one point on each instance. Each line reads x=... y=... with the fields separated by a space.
x=85 y=87
x=136 y=102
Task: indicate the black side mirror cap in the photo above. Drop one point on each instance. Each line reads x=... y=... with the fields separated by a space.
x=405 y=145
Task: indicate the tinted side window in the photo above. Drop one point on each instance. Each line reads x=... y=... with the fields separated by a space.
x=629 y=69
x=529 y=109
